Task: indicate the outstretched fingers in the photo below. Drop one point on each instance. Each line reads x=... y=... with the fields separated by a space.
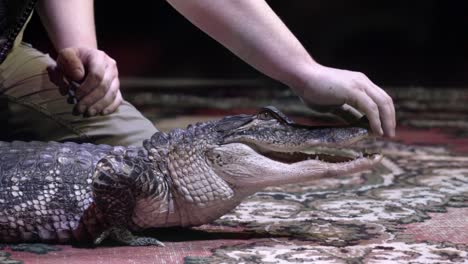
x=364 y=103
x=386 y=109
x=377 y=105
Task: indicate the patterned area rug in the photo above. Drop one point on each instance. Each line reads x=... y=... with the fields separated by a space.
x=412 y=208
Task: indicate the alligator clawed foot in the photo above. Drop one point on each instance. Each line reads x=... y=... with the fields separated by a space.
x=125 y=237
x=102 y=237
x=145 y=241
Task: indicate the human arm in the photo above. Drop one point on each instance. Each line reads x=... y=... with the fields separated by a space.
x=70 y=25
x=252 y=31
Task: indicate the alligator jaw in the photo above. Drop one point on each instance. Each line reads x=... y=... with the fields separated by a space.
x=244 y=167
x=322 y=154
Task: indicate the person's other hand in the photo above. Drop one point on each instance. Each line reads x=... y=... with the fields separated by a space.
x=97 y=73
x=328 y=87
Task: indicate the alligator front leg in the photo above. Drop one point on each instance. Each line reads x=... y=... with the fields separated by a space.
x=124 y=236
x=114 y=189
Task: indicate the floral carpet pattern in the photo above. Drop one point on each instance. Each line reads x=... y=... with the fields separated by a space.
x=411 y=208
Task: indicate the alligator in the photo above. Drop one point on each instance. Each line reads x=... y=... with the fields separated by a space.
x=67 y=192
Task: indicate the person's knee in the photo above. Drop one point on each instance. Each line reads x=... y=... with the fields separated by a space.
x=127 y=127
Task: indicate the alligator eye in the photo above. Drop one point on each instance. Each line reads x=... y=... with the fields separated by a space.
x=264 y=115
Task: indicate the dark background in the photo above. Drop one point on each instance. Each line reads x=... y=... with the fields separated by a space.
x=396 y=43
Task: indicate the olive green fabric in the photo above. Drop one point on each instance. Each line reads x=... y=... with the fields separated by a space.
x=31 y=108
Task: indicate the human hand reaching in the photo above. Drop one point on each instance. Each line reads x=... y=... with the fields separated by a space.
x=97 y=73
x=329 y=88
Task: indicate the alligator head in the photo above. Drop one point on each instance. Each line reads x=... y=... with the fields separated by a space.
x=269 y=149
x=211 y=164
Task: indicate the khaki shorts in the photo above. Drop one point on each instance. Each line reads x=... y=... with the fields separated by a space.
x=31 y=108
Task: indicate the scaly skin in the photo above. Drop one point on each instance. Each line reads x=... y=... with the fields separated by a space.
x=63 y=192
x=45 y=189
